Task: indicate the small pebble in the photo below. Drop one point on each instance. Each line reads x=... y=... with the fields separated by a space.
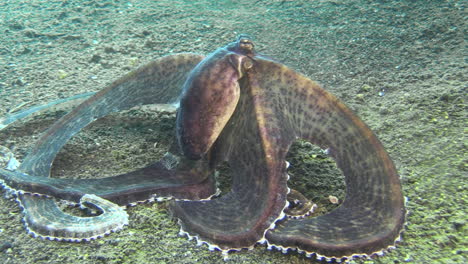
x=366 y=88
x=333 y=199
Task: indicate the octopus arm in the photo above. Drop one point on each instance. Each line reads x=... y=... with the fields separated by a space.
x=157 y=82
x=248 y=142
x=372 y=216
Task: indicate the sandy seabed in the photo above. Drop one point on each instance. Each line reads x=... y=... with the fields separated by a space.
x=398 y=64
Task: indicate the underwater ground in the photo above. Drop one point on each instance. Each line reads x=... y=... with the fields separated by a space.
x=400 y=65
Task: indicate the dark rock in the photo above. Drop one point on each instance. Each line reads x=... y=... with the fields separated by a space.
x=4 y=246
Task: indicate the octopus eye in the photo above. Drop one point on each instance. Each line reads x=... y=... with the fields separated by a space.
x=247 y=64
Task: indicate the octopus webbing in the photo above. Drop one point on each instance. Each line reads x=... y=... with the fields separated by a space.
x=235 y=106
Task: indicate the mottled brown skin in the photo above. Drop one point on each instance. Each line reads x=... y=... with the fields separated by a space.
x=373 y=213
x=242 y=108
x=258 y=196
x=214 y=80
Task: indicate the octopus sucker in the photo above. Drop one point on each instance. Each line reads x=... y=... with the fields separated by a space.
x=238 y=107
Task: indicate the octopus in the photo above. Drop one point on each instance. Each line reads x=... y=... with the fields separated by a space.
x=239 y=107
